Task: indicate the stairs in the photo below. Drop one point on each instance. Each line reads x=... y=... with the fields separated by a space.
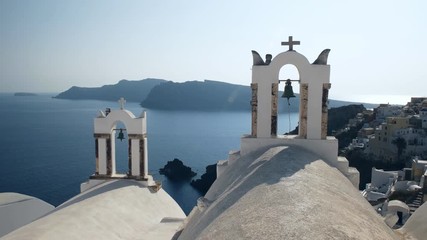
x=415 y=202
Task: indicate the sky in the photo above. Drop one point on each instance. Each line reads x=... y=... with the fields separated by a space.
x=378 y=48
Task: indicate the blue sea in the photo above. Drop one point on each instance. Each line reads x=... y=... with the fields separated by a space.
x=47 y=148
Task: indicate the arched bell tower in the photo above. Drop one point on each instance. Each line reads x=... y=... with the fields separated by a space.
x=313 y=110
x=314 y=87
x=104 y=133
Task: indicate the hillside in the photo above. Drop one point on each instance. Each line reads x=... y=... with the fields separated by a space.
x=195 y=95
x=207 y=96
x=133 y=91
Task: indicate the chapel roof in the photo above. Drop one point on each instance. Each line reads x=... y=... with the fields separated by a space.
x=116 y=209
x=284 y=193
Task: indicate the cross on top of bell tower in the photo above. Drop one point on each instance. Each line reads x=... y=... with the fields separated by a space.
x=291 y=43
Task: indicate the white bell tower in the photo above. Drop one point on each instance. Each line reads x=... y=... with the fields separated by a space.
x=314 y=85
x=104 y=133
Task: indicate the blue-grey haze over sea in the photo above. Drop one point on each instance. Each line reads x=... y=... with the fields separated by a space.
x=47 y=145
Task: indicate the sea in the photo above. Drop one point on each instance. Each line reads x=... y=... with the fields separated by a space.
x=47 y=148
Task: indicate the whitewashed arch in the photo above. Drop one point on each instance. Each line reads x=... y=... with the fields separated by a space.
x=292 y=58
x=104 y=125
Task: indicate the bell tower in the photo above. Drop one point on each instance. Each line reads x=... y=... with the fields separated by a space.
x=104 y=133
x=314 y=87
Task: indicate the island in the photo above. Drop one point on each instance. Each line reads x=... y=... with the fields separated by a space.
x=24 y=94
x=207 y=95
x=177 y=171
x=131 y=90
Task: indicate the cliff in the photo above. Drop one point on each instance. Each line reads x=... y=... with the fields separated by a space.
x=132 y=91
x=195 y=95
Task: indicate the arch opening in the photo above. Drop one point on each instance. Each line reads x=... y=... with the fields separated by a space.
x=288 y=113
x=122 y=151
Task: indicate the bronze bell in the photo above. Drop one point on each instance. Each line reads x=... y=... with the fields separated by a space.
x=289 y=92
x=121 y=135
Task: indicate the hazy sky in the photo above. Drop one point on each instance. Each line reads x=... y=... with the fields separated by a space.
x=378 y=48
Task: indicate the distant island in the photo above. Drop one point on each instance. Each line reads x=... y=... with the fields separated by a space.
x=132 y=91
x=207 y=95
x=24 y=94
x=199 y=96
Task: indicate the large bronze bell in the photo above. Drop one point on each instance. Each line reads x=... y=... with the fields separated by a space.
x=121 y=135
x=289 y=92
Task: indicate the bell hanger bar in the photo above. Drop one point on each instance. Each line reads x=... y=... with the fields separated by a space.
x=289 y=80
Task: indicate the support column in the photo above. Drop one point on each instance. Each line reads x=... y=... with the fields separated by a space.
x=102 y=154
x=109 y=158
x=142 y=158
x=302 y=130
x=254 y=105
x=274 y=92
x=129 y=173
x=138 y=155
x=96 y=157
x=326 y=87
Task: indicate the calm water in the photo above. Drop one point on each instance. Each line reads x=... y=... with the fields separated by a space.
x=47 y=145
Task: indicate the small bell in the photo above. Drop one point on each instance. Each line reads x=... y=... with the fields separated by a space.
x=288 y=93
x=121 y=135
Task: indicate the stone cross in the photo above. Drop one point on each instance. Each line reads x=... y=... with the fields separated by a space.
x=122 y=102
x=291 y=43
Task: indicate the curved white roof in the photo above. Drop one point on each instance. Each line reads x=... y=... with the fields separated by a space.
x=116 y=209
x=284 y=193
x=17 y=210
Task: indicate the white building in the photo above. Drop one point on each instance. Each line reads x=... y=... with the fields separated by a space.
x=416 y=141
x=381 y=184
x=386 y=110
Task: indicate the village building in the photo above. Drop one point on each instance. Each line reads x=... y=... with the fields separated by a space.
x=383 y=111
x=382 y=146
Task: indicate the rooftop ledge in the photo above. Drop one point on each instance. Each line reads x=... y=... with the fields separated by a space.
x=327 y=149
x=287 y=137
